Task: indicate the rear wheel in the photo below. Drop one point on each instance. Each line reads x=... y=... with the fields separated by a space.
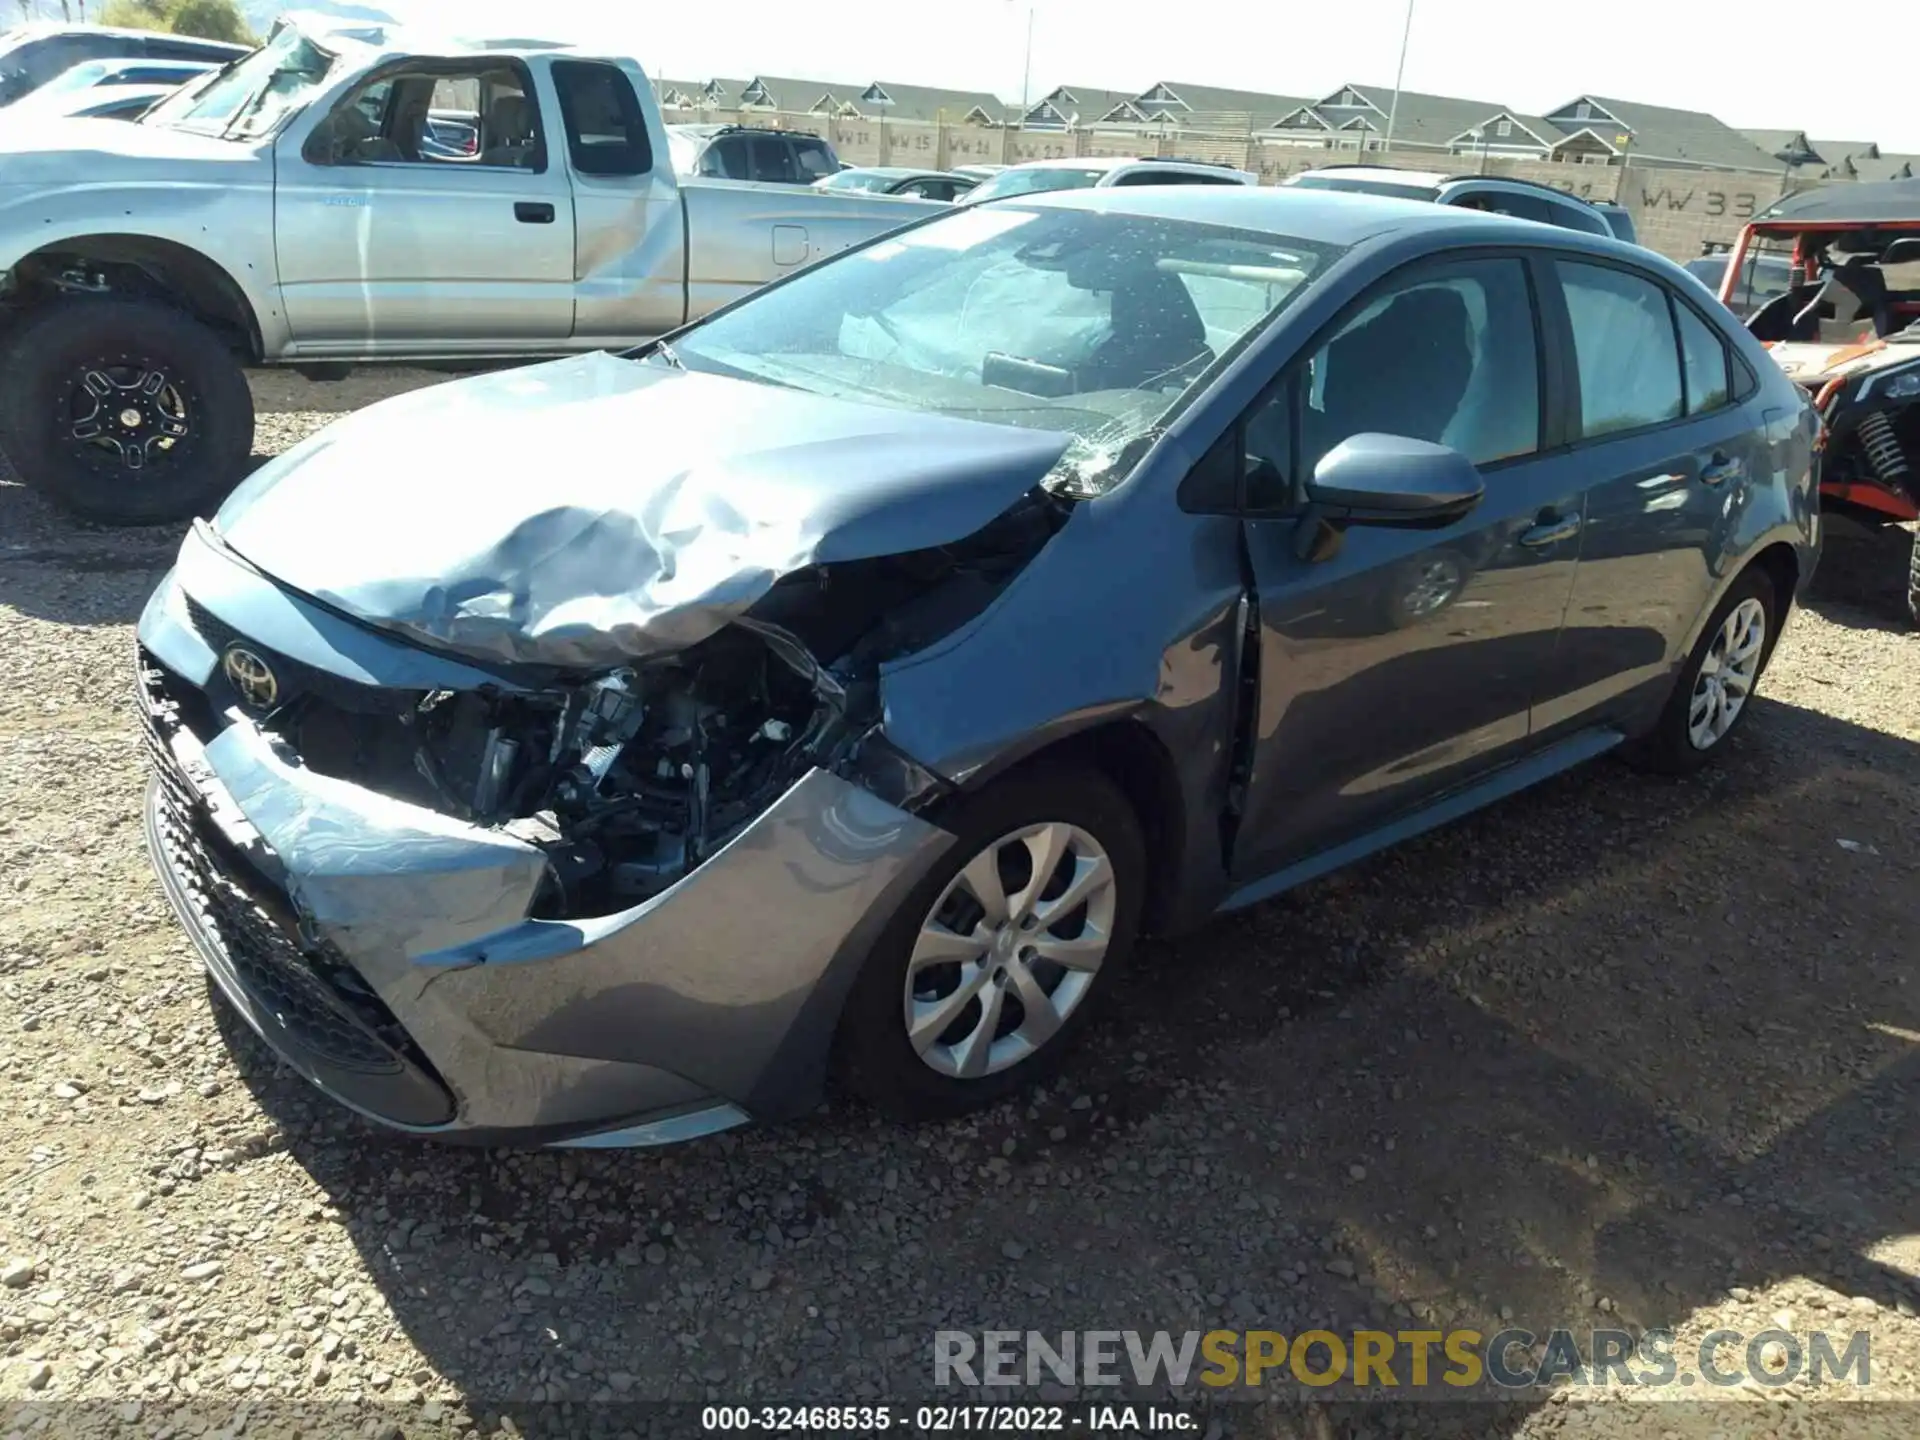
x=125 y=412
x=997 y=960
x=1711 y=696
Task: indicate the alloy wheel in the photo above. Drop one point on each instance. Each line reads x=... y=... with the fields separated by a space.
x=126 y=415
x=1727 y=674
x=1010 y=950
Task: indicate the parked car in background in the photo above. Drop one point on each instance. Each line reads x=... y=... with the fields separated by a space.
x=613 y=803
x=900 y=180
x=1102 y=172
x=1619 y=219
x=979 y=172
x=1763 y=277
x=120 y=102
x=85 y=87
x=1522 y=199
x=33 y=55
x=318 y=181
x=745 y=152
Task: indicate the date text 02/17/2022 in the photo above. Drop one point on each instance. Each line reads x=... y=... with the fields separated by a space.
x=1118 y=1419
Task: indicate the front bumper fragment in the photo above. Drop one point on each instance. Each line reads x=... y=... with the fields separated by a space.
x=385 y=950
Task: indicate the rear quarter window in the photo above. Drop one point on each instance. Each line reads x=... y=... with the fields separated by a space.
x=606 y=128
x=815 y=159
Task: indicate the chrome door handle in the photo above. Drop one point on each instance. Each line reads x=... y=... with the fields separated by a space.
x=1718 y=469
x=1550 y=532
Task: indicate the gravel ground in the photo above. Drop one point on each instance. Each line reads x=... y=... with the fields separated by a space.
x=1621 y=1050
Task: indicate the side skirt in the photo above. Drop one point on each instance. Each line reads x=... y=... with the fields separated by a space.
x=1563 y=755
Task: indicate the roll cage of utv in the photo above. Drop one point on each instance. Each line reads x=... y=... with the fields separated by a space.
x=1847 y=331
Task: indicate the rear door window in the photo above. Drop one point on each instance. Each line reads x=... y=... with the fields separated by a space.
x=1624 y=345
x=1704 y=361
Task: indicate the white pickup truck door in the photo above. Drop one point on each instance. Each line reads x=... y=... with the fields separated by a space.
x=425 y=257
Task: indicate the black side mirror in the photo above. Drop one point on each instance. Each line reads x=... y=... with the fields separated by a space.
x=1389 y=480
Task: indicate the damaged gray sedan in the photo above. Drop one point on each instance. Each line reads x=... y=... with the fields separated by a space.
x=608 y=751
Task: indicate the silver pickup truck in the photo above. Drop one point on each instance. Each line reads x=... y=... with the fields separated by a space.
x=345 y=196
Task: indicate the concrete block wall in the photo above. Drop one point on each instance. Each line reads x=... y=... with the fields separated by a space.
x=1675 y=210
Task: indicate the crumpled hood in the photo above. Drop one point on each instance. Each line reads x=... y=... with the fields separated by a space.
x=593 y=511
x=65 y=152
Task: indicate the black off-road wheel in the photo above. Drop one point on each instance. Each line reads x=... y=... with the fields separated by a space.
x=124 y=412
x=1913 y=581
x=999 y=958
x=1716 y=686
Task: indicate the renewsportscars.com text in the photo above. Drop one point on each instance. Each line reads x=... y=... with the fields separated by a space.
x=1510 y=1359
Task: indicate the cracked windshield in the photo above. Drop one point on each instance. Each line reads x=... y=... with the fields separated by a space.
x=1094 y=324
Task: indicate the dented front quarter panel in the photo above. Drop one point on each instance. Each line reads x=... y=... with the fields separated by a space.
x=1026 y=674
x=74 y=179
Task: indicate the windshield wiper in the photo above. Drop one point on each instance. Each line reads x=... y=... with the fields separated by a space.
x=667 y=353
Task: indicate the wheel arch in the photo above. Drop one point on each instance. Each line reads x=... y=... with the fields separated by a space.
x=146 y=267
x=1781 y=566
x=1126 y=751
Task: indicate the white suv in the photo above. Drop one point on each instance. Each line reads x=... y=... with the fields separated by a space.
x=1097 y=172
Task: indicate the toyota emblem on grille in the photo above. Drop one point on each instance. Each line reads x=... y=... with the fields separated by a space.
x=252 y=677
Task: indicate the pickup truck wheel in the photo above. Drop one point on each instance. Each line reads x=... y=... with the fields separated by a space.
x=124 y=412
x=1000 y=957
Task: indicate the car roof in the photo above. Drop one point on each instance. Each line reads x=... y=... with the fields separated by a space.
x=1110 y=162
x=1385 y=174
x=902 y=172
x=1334 y=217
x=387 y=39
x=42 y=29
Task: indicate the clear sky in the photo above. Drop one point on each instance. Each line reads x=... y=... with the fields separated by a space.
x=1741 y=60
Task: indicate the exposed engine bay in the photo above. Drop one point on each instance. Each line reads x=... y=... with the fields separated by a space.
x=629 y=779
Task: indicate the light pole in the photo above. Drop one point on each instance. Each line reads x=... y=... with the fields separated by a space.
x=1393 y=109
x=1026 y=70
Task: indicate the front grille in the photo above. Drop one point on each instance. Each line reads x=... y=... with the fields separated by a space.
x=296 y=680
x=307 y=988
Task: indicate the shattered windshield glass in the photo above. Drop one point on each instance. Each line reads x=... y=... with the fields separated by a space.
x=249 y=98
x=1091 y=323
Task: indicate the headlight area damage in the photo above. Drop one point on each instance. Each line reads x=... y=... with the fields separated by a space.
x=628 y=779
x=579 y=769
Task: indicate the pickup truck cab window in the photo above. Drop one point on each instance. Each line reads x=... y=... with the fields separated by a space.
x=479 y=114
x=606 y=129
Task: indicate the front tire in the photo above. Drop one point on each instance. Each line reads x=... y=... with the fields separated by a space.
x=1913 y=581
x=1714 y=691
x=997 y=961
x=124 y=412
